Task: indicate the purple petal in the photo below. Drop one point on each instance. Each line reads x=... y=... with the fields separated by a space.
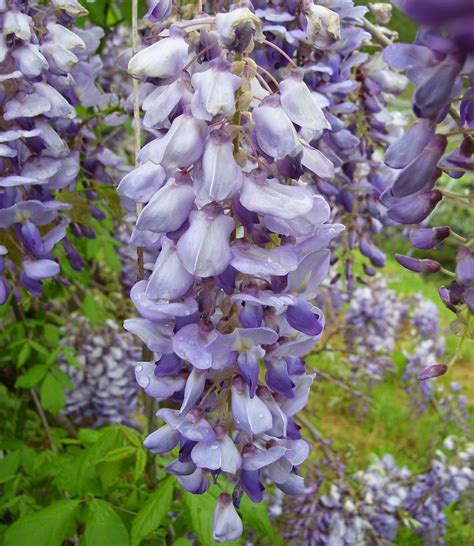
x=194 y=389
x=157 y=337
x=40 y=269
x=227 y=525
x=413 y=142
x=220 y=177
x=163 y=59
x=433 y=371
x=169 y=279
x=414 y=209
x=214 y=91
x=300 y=105
x=305 y=318
x=143 y=182
x=418 y=175
x=268 y=196
x=162 y=440
x=190 y=344
x=169 y=207
x=254 y=260
x=204 y=249
x=275 y=133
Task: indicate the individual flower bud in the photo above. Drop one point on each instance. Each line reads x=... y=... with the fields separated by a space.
x=434 y=93
x=464 y=266
x=323 y=25
x=164 y=59
x=237 y=28
x=305 y=318
x=214 y=91
x=381 y=11
x=275 y=133
x=299 y=105
x=418 y=266
x=71 y=7
x=159 y=10
x=369 y=250
x=433 y=371
x=405 y=150
x=420 y=172
x=227 y=525
x=40 y=269
x=413 y=210
x=427 y=238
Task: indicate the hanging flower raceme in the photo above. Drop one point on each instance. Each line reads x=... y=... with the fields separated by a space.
x=440 y=66
x=241 y=235
x=372 y=505
x=355 y=92
x=100 y=367
x=47 y=69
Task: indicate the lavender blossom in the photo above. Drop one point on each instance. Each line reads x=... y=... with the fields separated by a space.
x=239 y=251
x=103 y=387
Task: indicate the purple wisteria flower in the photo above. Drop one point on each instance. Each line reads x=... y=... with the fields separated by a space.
x=239 y=233
x=439 y=64
x=48 y=68
x=372 y=505
x=99 y=363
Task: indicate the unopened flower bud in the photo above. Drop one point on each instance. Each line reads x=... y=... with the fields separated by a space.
x=418 y=266
x=381 y=11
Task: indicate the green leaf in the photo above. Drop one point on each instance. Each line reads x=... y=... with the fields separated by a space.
x=52 y=394
x=63 y=378
x=111 y=258
x=119 y=454
x=110 y=195
x=103 y=526
x=93 y=311
x=23 y=355
x=51 y=334
x=9 y=465
x=32 y=377
x=153 y=512
x=256 y=517
x=140 y=465
x=182 y=542
x=48 y=527
x=80 y=211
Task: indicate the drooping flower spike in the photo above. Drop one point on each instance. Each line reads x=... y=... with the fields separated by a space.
x=240 y=235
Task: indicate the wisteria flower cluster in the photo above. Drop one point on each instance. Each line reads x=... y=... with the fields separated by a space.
x=373 y=321
x=439 y=64
x=101 y=369
x=370 y=506
x=48 y=68
x=228 y=204
x=355 y=91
